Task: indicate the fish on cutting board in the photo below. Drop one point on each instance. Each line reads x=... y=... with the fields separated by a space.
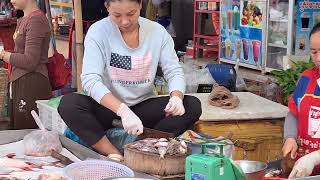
x=160 y=146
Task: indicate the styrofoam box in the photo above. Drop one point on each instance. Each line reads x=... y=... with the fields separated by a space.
x=50 y=117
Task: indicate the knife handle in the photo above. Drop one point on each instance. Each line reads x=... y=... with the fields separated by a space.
x=64 y=160
x=117 y=123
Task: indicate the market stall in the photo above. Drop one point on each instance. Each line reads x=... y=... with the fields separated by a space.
x=252 y=129
x=256 y=125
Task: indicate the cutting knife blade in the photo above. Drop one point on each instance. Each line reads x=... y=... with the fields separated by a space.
x=147 y=132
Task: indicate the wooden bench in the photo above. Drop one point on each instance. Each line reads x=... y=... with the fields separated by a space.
x=256 y=124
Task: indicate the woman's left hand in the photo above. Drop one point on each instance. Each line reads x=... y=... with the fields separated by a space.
x=175 y=107
x=304 y=166
x=5 y=56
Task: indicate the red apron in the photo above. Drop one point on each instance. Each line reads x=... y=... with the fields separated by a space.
x=309 y=121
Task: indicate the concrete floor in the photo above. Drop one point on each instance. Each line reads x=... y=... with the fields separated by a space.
x=4 y=123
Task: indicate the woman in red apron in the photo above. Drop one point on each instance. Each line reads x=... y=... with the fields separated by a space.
x=302 y=126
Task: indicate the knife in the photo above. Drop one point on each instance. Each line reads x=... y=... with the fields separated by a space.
x=147 y=132
x=63 y=159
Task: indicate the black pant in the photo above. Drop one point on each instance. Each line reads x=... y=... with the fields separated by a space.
x=25 y=91
x=89 y=120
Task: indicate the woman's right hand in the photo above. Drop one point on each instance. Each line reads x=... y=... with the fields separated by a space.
x=130 y=121
x=290 y=146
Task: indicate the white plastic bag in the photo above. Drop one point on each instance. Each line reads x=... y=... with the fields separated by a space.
x=240 y=83
x=195 y=76
x=41 y=142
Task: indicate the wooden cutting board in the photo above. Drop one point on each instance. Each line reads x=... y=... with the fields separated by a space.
x=151 y=163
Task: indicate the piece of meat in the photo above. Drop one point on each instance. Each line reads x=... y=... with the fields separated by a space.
x=222 y=97
x=287 y=165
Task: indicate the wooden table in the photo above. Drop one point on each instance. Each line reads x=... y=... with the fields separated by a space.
x=256 y=124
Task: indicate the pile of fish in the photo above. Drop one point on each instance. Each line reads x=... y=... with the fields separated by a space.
x=11 y=163
x=160 y=146
x=273 y=173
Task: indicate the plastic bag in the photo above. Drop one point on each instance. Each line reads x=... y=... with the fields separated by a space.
x=240 y=83
x=41 y=142
x=195 y=76
x=54 y=102
x=117 y=136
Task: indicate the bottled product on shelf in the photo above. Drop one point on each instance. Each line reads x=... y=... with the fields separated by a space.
x=206 y=44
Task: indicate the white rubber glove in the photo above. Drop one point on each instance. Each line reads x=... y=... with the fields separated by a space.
x=175 y=107
x=130 y=121
x=304 y=166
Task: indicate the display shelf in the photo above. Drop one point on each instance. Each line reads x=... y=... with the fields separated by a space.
x=262 y=43
x=210 y=48
x=199 y=37
x=242 y=64
x=207 y=11
x=277 y=45
x=210 y=37
x=61 y=4
x=279 y=20
x=282 y=26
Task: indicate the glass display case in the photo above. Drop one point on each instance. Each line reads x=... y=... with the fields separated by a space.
x=261 y=37
x=243 y=32
x=308 y=15
x=280 y=26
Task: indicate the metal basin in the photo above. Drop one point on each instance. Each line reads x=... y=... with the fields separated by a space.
x=254 y=170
